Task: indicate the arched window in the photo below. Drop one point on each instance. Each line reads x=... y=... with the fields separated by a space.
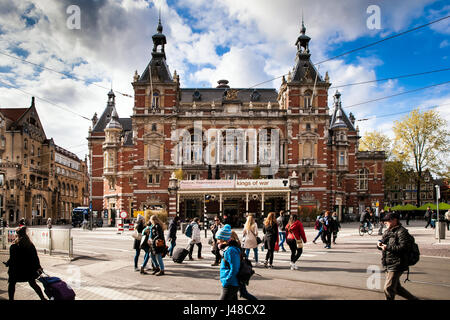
x=307 y=99
x=155 y=100
x=363 y=179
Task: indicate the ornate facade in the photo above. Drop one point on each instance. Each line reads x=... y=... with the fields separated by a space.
x=247 y=150
x=36 y=182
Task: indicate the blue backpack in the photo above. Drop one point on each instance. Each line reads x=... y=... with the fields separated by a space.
x=188 y=231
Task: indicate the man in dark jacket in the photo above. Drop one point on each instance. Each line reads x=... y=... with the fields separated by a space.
x=395 y=245
x=427 y=217
x=172 y=238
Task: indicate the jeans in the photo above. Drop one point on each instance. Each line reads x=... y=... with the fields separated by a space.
x=191 y=249
x=146 y=258
x=172 y=246
x=392 y=287
x=282 y=239
x=318 y=235
x=244 y=293
x=255 y=252
x=136 y=257
x=229 y=293
x=295 y=252
x=157 y=260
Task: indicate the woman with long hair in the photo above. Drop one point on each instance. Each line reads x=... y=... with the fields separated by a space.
x=158 y=246
x=295 y=238
x=270 y=230
x=250 y=234
x=23 y=264
x=140 y=225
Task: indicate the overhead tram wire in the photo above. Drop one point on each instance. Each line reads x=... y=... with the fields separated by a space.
x=397 y=94
x=391 y=78
x=45 y=100
x=383 y=40
x=62 y=73
x=402 y=112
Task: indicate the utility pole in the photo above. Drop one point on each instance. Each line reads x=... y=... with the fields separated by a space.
x=90 y=187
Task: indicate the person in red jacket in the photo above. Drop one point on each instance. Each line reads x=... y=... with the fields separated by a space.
x=295 y=239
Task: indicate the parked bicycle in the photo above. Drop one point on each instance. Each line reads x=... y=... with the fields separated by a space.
x=366 y=228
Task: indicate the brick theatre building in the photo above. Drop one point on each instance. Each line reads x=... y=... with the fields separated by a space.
x=230 y=151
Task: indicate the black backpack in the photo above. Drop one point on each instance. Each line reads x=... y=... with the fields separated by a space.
x=245 y=269
x=413 y=252
x=413 y=255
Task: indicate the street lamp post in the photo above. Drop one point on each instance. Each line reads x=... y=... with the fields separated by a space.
x=438 y=196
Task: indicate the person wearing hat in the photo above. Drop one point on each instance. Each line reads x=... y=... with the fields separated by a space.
x=229 y=267
x=395 y=245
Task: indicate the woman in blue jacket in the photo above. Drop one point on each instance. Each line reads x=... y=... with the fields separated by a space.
x=230 y=264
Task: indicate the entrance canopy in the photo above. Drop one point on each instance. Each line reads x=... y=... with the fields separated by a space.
x=238 y=186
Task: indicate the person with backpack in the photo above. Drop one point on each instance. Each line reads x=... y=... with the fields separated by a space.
x=195 y=239
x=245 y=271
x=140 y=225
x=158 y=245
x=281 y=229
x=23 y=264
x=215 y=248
x=396 y=245
x=172 y=237
x=250 y=236
x=295 y=238
x=270 y=230
x=229 y=267
x=318 y=227
x=145 y=245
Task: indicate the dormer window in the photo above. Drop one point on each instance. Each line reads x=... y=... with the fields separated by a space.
x=196 y=96
x=255 y=96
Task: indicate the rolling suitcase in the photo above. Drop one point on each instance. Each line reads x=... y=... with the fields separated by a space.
x=56 y=289
x=179 y=255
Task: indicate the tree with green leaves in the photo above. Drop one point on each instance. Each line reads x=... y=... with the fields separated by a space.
x=422 y=141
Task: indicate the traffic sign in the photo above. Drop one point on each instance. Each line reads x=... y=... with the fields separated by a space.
x=123 y=214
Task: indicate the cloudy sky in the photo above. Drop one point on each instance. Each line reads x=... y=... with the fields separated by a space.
x=246 y=42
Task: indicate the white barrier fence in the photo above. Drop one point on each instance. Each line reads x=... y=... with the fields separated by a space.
x=50 y=240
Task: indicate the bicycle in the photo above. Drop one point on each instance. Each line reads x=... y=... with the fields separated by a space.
x=365 y=228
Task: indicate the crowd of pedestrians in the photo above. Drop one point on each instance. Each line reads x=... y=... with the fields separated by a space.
x=230 y=253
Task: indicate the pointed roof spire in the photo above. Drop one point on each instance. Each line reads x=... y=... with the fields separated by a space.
x=160 y=27
x=303 y=29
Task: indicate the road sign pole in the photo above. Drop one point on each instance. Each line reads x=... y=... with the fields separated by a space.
x=438 y=196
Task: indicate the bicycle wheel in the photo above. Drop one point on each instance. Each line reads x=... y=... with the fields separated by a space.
x=361 y=231
x=370 y=230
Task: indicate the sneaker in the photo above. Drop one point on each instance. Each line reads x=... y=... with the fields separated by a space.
x=283 y=249
x=270 y=266
x=314 y=241
x=137 y=269
x=265 y=264
x=143 y=271
x=292 y=266
x=214 y=264
x=295 y=267
x=160 y=273
x=191 y=259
